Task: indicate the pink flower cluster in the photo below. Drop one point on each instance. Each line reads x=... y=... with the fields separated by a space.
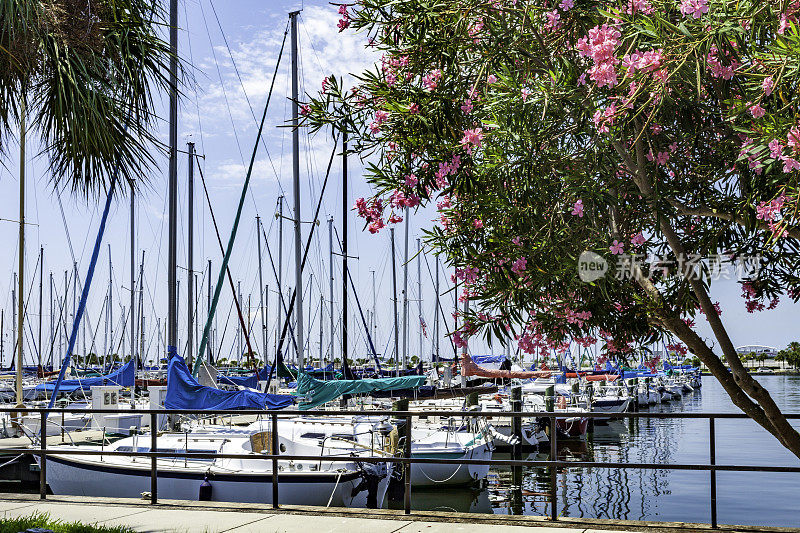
x=431 y=80
x=577 y=209
x=519 y=266
x=372 y=212
x=600 y=45
x=643 y=61
x=603 y=118
x=718 y=70
x=789 y=16
x=472 y=139
x=468 y=275
x=344 y=22
x=399 y=199
x=694 y=8
x=639 y=6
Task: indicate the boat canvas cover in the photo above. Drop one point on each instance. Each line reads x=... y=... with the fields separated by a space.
x=124 y=377
x=184 y=392
x=469 y=368
x=317 y=392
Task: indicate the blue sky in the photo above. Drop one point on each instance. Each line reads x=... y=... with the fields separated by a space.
x=233 y=47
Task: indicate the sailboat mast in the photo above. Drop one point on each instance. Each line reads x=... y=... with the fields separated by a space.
x=109 y=354
x=419 y=295
x=374 y=322
x=208 y=304
x=261 y=293
x=190 y=259
x=394 y=298
x=405 y=297
x=133 y=280
x=330 y=280
x=344 y=244
x=436 y=316
x=172 y=250
x=298 y=260
x=21 y=286
x=41 y=287
x=280 y=267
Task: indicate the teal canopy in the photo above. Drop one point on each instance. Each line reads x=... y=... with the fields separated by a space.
x=318 y=392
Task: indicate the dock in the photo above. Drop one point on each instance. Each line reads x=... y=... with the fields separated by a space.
x=175 y=516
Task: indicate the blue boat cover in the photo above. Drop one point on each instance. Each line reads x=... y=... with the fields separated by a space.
x=251 y=382
x=184 y=392
x=488 y=359
x=124 y=377
x=319 y=392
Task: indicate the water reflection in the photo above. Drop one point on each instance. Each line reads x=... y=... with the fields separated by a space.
x=659 y=494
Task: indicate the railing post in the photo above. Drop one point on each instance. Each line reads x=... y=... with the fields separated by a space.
x=153 y=459
x=553 y=473
x=275 y=450
x=407 y=468
x=712 y=450
x=43 y=462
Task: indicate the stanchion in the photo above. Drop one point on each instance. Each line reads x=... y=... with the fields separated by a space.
x=275 y=450
x=43 y=462
x=553 y=473
x=153 y=459
x=407 y=468
x=712 y=449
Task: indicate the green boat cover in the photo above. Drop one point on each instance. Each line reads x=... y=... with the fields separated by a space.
x=318 y=392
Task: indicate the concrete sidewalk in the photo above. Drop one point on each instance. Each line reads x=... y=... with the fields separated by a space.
x=217 y=517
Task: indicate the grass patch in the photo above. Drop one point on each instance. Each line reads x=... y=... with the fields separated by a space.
x=43 y=520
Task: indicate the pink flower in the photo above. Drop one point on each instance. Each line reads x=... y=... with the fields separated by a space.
x=491 y=79
x=472 y=139
x=775 y=148
x=413 y=108
x=517 y=241
x=577 y=209
x=793 y=138
x=344 y=23
x=639 y=6
x=394 y=219
x=768 y=84
x=790 y=164
x=477 y=223
x=566 y=5
x=638 y=240
x=411 y=181
x=757 y=111
x=459 y=340
x=695 y=8
x=466 y=107
x=431 y=80
x=305 y=110
x=616 y=247
x=519 y=266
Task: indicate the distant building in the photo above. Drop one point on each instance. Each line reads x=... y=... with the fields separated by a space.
x=758 y=349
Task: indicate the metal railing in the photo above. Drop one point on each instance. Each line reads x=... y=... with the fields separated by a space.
x=406 y=460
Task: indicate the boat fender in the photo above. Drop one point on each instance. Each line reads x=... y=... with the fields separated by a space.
x=393 y=441
x=205 y=491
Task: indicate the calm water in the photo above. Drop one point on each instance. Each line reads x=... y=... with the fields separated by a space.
x=747 y=498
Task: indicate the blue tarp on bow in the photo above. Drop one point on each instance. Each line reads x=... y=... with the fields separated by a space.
x=184 y=392
x=124 y=377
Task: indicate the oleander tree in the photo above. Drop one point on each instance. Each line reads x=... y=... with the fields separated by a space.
x=660 y=136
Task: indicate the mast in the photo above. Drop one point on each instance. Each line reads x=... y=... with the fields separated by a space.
x=172 y=250
x=21 y=266
x=419 y=295
x=52 y=328
x=208 y=303
x=298 y=260
x=280 y=266
x=238 y=297
x=405 y=297
x=190 y=260
x=436 y=316
x=142 y=355
x=394 y=299
x=330 y=280
x=374 y=321
x=110 y=309
x=133 y=280
x=2 y=334
x=41 y=279
x=261 y=293
x=344 y=245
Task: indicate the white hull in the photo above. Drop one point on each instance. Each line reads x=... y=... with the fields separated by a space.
x=75 y=476
x=423 y=475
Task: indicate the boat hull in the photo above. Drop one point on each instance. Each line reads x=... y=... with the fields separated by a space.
x=74 y=476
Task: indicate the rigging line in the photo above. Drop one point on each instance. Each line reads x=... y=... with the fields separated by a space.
x=194 y=85
x=305 y=256
x=25 y=309
x=280 y=294
x=227 y=268
x=439 y=304
x=360 y=311
x=235 y=227
x=221 y=82
x=241 y=83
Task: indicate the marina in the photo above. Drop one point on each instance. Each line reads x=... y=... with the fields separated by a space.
x=476 y=276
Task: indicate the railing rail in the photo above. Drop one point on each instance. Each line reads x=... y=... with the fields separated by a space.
x=404 y=459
